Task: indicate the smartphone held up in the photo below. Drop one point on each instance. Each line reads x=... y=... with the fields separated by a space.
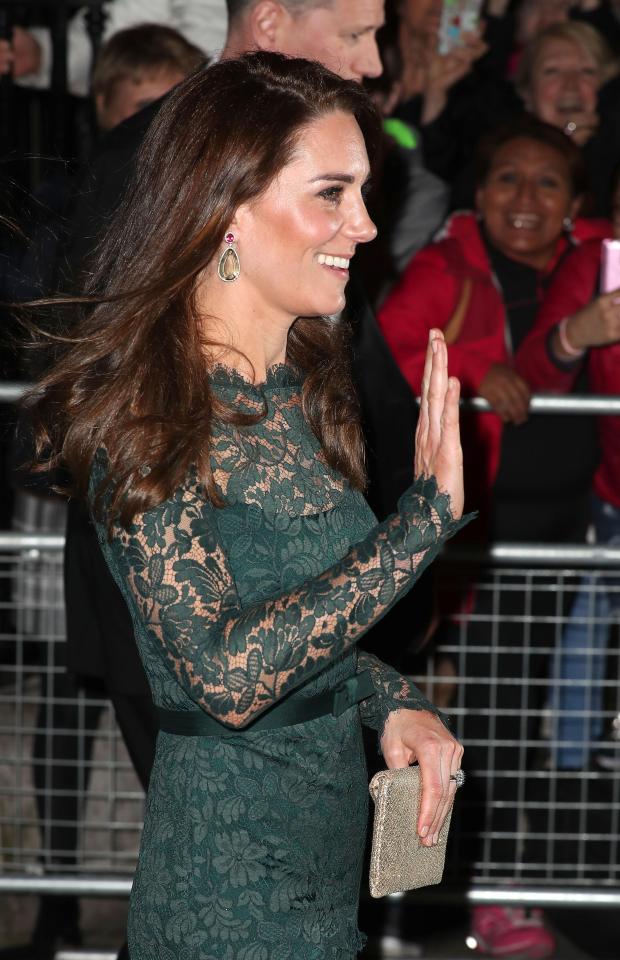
x=610 y=266
x=457 y=17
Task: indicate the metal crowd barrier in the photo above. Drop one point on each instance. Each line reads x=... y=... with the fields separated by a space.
x=81 y=834
x=70 y=803
x=532 y=684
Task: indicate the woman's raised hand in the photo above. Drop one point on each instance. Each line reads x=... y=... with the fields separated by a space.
x=438 y=450
x=446 y=69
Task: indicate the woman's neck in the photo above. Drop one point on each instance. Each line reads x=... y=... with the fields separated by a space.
x=538 y=260
x=247 y=336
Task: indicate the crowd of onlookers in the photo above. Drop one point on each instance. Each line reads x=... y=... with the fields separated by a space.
x=497 y=186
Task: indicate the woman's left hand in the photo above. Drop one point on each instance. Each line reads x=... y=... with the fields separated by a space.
x=418 y=735
x=438 y=449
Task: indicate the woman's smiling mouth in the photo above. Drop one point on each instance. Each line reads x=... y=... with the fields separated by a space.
x=327 y=260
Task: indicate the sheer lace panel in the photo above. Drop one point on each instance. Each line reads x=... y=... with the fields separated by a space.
x=278 y=459
x=236 y=662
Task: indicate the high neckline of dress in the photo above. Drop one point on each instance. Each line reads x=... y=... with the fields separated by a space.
x=279 y=376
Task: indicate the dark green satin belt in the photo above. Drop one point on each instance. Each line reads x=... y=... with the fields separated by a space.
x=286 y=713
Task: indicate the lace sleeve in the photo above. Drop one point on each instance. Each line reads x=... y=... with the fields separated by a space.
x=234 y=661
x=392 y=692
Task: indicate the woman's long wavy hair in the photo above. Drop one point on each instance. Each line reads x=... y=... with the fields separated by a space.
x=133 y=378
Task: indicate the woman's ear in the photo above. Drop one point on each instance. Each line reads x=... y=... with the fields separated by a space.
x=241 y=222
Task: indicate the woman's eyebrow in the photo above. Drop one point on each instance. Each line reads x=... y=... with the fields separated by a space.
x=341 y=177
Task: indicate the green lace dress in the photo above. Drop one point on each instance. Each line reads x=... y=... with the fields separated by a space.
x=252 y=844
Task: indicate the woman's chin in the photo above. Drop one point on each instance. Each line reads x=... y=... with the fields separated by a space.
x=325 y=308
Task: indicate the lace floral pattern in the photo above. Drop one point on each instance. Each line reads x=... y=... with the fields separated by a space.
x=252 y=846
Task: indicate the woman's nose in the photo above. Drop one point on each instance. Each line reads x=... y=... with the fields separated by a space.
x=526 y=190
x=570 y=79
x=360 y=227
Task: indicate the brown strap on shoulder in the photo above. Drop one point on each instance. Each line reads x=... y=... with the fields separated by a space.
x=453 y=327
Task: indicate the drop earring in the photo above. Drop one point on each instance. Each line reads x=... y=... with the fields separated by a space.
x=568 y=224
x=229 y=267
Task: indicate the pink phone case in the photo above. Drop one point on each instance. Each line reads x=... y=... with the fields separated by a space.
x=610 y=266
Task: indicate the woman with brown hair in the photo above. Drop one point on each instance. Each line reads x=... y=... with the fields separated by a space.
x=205 y=408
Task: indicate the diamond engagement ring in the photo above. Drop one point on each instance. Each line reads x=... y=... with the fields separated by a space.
x=458 y=777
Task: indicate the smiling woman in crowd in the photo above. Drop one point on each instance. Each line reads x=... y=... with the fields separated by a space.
x=560 y=78
x=482 y=283
x=560 y=75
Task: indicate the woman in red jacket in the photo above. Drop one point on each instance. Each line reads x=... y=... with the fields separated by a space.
x=482 y=281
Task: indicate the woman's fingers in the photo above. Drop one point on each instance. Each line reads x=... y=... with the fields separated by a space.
x=507 y=392
x=515 y=400
x=449 y=470
x=451 y=417
x=421 y=434
x=437 y=389
x=422 y=431
x=431 y=389
x=453 y=764
x=438 y=791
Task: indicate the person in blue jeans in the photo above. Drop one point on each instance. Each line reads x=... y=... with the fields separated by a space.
x=580 y=662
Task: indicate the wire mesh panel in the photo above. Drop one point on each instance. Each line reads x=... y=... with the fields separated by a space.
x=529 y=674
x=69 y=800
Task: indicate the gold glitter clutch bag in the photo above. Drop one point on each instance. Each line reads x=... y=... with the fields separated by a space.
x=398 y=860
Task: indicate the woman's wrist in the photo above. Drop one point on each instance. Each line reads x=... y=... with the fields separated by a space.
x=566 y=341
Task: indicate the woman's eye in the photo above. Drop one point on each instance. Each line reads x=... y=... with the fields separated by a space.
x=549 y=182
x=508 y=176
x=331 y=194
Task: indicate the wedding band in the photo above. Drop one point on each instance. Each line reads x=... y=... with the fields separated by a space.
x=458 y=777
